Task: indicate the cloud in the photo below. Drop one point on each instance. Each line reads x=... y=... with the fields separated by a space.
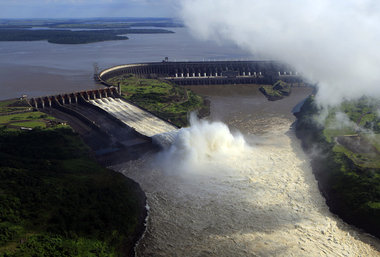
x=334 y=43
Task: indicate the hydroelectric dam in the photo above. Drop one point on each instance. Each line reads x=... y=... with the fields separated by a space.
x=215 y=193
x=109 y=123
x=207 y=72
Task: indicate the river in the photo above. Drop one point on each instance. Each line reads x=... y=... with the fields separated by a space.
x=216 y=194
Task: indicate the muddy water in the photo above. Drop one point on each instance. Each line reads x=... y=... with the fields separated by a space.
x=256 y=200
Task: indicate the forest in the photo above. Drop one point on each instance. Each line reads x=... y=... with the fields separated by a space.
x=72 y=37
x=55 y=200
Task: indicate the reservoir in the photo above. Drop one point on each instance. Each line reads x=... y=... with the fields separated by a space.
x=39 y=68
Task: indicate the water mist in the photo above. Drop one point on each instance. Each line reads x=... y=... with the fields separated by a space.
x=204 y=147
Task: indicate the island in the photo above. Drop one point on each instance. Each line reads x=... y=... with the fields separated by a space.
x=277 y=91
x=80 y=31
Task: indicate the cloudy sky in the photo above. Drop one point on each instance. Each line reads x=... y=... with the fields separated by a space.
x=86 y=8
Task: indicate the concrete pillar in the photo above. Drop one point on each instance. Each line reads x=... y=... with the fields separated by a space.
x=63 y=99
x=105 y=93
x=43 y=103
x=243 y=73
x=193 y=74
x=249 y=73
x=199 y=74
x=188 y=75
x=119 y=89
x=49 y=100
x=181 y=75
x=76 y=98
x=254 y=73
x=176 y=75
x=69 y=98
x=279 y=73
x=35 y=103
x=260 y=73
x=205 y=75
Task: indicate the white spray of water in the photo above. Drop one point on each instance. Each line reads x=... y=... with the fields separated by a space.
x=204 y=147
x=334 y=43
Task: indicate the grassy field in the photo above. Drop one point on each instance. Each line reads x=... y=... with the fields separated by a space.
x=55 y=200
x=13 y=106
x=170 y=102
x=16 y=114
x=348 y=163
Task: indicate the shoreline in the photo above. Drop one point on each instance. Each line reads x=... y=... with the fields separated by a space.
x=323 y=166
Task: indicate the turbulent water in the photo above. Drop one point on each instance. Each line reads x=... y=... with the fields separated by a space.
x=218 y=192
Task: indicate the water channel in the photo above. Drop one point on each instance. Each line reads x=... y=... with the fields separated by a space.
x=216 y=194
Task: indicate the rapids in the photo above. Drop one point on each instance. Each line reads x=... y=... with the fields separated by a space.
x=215 y=192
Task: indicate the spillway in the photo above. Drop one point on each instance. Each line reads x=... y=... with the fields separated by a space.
x=140 y=120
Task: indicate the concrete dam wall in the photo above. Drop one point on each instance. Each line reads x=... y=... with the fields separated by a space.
x=201 y=73
x=141 y=121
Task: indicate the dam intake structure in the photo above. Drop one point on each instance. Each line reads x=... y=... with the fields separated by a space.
x=207 y=72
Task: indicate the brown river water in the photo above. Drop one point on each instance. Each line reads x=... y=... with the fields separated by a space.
x=215 y=193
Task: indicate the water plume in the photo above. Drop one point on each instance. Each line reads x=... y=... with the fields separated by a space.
x=333 y=43
x=204 y=147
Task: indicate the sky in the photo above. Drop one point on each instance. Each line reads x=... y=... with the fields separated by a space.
x=86 y=8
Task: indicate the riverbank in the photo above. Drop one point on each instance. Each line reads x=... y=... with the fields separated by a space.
x=348 y=180
x=55 y=199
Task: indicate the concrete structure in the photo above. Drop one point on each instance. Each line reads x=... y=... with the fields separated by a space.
x=74 y=97
x=201 y=73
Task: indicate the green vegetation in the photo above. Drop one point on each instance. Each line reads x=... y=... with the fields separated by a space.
x=119 y=25
x=13 y=106
x=15 y=114
x=277 y=91
x=348 y=166
x=170 y=102
x=56 y=201
x=72 y=37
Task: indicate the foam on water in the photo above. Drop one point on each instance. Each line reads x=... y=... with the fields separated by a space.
x=213 y=195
